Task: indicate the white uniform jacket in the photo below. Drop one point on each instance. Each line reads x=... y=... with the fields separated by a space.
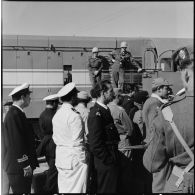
x=68 y=135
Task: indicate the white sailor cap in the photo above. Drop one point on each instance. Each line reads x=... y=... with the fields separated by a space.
x=51 y=97
x=21 y=89
x=66 y=89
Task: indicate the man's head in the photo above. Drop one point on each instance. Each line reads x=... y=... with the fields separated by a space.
x=104 y=91
x=21 y=95
x=52 y=100
x=184 y=59
x=95 y=51
x=139 y=98
x=123 y=46
x=160 y=86
x=68 y=93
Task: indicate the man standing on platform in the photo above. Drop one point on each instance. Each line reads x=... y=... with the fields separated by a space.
x=122 y=61
x=95 y=65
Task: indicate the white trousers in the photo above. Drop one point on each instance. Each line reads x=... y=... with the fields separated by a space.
x=73 y=180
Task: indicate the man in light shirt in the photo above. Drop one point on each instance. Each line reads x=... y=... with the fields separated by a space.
x=82 y=100
x=121 y=120
x=68 y=135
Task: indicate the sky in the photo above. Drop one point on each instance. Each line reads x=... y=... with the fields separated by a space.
x=100 y=19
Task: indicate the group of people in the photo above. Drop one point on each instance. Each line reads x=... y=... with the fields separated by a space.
x=119 y=60
x=105 y=141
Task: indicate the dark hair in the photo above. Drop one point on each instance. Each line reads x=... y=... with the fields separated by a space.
x=52 y=102
x=157 y=88
x=102 y=86
x=140 y=97
x=69 y=96
x=18 y=96
x=92 y=93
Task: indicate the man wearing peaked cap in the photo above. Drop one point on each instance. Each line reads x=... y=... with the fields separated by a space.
x=50 y=97
x=68 y=135
x=167 y=148
x=21 y=89
x=159 y=96
x=181 y=56
x=160 y=82
x=19 y=157
x=45 y=119
x=47 y=146
x=67 y=89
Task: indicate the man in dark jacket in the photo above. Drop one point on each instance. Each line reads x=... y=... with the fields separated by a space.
x=47 y=146
x=19 y=155
x=103 y=140
x=45 y=119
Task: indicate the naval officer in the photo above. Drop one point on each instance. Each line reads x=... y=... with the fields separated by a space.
x=47 y=146
x=20 y=156
x=45 y=119
x=68 y=135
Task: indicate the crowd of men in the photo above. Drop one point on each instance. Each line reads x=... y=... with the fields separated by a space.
x=120 y=60
x=107 y=141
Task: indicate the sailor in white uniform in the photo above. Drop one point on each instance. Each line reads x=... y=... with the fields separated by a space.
x=68 y=135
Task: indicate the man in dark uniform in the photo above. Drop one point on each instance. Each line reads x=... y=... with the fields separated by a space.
x=47 y=146
x=172 y=143
x=95 y=65
x=122 y=61
x=103 y=140
x=20 y=156
x=45 y=119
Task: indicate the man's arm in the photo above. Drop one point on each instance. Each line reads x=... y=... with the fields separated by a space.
x=101 y=65
x=135 y=63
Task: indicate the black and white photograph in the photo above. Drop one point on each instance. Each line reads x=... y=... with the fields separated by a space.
x=97 y=97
